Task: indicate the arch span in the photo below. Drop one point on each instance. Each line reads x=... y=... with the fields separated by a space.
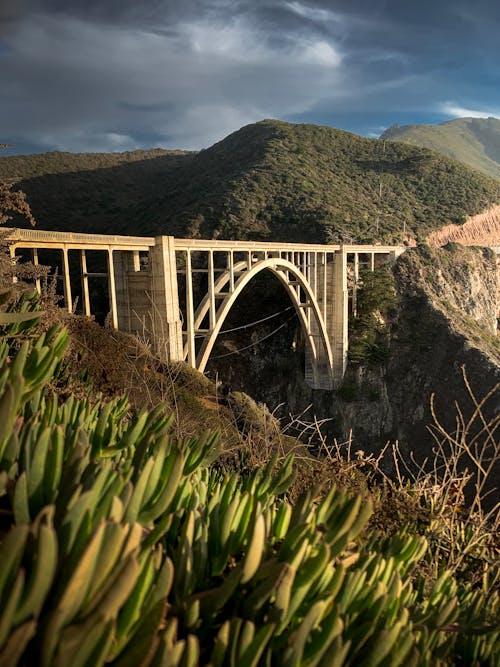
x=219 y=285
x=285 y=271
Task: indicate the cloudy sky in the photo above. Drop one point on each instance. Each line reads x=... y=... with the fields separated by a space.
x=101 y=75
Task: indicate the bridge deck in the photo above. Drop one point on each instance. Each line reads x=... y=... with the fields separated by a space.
x=210 y=244
x=38 y=238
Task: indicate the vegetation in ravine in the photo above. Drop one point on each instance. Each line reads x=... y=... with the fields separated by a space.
x=270 y=180
x=369 y=328
x=474 y=141
x=124 y=545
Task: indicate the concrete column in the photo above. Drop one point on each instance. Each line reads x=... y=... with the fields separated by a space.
x=165 y=314
x=231 y=271
x=190 y=312
x=340 y=331
x=318 y=369
x=85 y=283
x=315 y=258
x=355 y=284
x=12 y=251
x=325 y=287
x=35 y=263
x=66 y=282
x=211 y=290
x=124 y=262
x=136 y=261
x=112 y=289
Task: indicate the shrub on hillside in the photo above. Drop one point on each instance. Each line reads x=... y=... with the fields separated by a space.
x=13 y=203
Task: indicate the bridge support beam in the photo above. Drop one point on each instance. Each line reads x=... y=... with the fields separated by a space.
x=331 y=288
x=124 y=263
x=68 y=301
x=165 y=314
x=318 y=368
x=339 y=336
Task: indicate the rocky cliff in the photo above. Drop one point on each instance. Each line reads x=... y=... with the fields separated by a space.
x=444 y=326
x=446 y=321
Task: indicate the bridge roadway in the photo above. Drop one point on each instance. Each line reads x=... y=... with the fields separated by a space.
x=178 y=292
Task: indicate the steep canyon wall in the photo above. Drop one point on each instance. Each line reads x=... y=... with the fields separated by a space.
x=444 y=325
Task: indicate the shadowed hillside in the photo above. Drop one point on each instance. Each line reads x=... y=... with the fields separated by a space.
x=91 y=192
x=474 y=141
x=270 y=180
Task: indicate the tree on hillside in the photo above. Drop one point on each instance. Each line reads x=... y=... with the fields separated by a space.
x=12 y=202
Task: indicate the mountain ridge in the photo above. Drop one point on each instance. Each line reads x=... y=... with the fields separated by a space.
x=473 y=141
x=269 y=180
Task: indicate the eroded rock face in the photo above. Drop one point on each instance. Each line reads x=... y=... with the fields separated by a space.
x=444 y=348
x=457 y=280
x=444 y=336
x=480 y=229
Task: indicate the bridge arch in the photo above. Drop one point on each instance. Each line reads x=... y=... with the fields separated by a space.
x=286 y=272
x=219 y=285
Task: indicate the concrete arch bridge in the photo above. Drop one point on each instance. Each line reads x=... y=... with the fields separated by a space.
x=179 y=292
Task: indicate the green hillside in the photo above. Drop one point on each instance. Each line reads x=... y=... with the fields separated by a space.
x=269 y=180
x=474 y=141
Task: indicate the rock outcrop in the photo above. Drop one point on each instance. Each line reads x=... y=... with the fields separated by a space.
x=482 y=229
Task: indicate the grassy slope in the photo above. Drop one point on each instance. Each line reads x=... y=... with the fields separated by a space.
x=268 y=180
x=474 y=141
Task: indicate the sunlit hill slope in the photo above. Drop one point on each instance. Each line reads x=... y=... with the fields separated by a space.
x=474 y=141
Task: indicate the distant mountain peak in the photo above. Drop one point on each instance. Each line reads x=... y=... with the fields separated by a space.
x=474 y=141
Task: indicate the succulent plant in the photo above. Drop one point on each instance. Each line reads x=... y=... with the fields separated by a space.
x=122 y=545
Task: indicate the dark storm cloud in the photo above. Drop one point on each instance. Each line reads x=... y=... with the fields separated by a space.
x=10 y=12
x=133 y=13
x=93 y=75
x=158 y=107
